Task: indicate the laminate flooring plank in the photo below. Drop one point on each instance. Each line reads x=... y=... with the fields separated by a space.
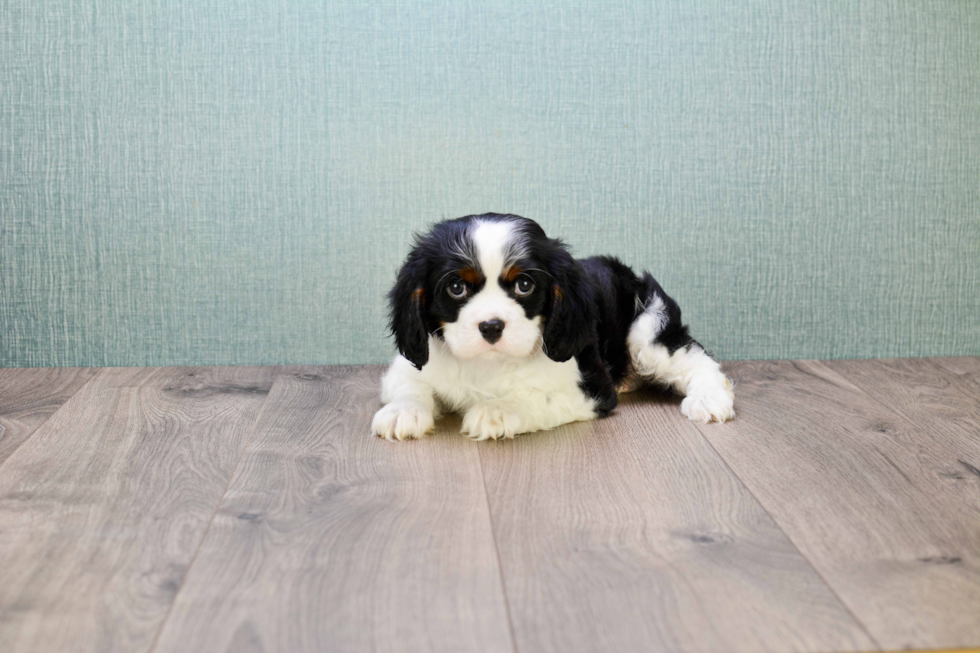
x=861 y=491
x=963 y=365
x=102 y=509
x=631 y=534
x=29 y=396
x=966 y=371
x=943 y=411
x=330 y=539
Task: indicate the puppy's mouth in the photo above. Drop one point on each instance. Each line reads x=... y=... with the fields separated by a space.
x=493 y=350
x=473 y=343
x=499 y=350
x=487 y=351
x=492 y=353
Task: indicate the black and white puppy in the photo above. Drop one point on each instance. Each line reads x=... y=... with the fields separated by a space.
x=497 y=321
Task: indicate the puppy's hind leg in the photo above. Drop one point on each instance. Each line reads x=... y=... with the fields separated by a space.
x=662 y=352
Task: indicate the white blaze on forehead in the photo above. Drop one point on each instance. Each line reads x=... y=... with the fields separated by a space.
x=493 y=242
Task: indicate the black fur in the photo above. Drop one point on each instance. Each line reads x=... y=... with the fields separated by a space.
x=596 y=381
x=408 y=307
x=571 y=317
x=587 y=305
x=418 y=301
x=675 y=335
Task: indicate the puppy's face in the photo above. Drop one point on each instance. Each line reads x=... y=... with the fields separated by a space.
x=489 y=286
x=492 y=300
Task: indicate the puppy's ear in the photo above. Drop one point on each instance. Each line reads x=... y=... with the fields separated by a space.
x=408 y=299
x=570 y=325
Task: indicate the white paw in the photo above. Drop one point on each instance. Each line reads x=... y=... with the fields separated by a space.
x=402 y=421
x=486 y=421
x=709 y=404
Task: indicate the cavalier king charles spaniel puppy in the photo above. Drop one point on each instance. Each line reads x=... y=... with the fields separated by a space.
x=497 y=321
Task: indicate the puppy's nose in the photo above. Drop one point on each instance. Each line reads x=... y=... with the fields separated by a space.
x=491 y=330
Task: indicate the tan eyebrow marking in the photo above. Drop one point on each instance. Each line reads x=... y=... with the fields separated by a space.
x=419 y=295
x=469 y=275
x=557 y=292
x=511 y=273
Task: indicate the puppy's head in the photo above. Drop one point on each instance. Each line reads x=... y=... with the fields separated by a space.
x=489 y=286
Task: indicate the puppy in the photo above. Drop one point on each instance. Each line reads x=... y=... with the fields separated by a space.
x=497 y=321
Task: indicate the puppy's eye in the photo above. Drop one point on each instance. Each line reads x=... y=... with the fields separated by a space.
x=523 y=287
x=457 y=289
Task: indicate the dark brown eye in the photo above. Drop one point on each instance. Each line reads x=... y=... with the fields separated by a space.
x=523 y=287
x=457 y=289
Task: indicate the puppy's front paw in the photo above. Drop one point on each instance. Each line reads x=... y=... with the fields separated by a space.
x=709 y=404
x=402 y=421
x=490 y=420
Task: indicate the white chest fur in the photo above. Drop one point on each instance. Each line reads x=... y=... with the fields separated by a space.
x=499 y=395
x=526 y=383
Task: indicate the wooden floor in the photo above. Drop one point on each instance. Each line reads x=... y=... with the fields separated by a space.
x=247 y=509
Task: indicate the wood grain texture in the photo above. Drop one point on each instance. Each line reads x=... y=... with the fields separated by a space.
x=966 y=372
x=919 y=388
x=332 y=540
x=942 y=411
x=861 y=491
x=29 y=396
x=630 y=534
x=102 y=509
x=961 y=365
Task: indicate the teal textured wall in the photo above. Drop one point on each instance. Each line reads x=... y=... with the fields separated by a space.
x=203 y=181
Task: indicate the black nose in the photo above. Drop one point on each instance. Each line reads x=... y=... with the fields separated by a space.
x=491 y=330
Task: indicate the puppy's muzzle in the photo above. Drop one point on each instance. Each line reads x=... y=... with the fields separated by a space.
x=492 y=330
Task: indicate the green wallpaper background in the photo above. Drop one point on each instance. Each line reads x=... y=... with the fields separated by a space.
x=213 y=182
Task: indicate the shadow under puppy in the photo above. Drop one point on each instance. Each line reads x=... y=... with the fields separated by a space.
x=497 y=321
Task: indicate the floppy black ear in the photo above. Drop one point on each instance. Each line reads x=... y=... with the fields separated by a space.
x=407 y=299
x=571 y=319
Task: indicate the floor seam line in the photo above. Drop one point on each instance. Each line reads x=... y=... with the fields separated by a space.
x=789 y=539
x=221 y=500
x=98 y=372
x=496 y=550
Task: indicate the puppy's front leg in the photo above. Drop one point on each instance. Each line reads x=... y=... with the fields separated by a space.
x=493 y=420
x=532 y=411
x=410 y=407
